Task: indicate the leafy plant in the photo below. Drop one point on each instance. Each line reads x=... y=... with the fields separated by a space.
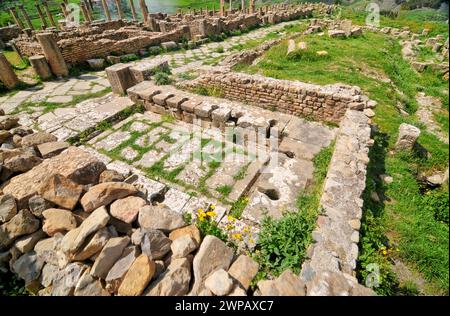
x=436 y=202
x=207 y=224
x=162 y=78
x=283 y=242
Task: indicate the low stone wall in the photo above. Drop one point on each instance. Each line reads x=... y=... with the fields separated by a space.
x=321 y=103
x=7 y=33
x=330 y=269
x=81 y=49
x=103 y=38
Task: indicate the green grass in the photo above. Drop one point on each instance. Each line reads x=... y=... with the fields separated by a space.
x=51 y=106
x=15 y=60
x=363 y=61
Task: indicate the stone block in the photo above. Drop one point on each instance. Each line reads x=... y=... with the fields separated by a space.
x=120 y=78
x=40 y=66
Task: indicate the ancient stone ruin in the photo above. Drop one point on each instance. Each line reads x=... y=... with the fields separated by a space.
x=106 y=196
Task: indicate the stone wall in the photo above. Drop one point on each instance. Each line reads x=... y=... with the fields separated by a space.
x=335 y=251
x=7 y=33
x=103 y=38
x=322 y=103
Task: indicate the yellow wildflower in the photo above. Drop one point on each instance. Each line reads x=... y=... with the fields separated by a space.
x=231 y=218
x=229 y=227
x=384 y=252
x=211 y=214
x=246 y=229
x=237 y=236
x=212 y=207
x=200 y=210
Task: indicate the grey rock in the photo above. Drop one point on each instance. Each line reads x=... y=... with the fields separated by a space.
x=219 y=283
x=8 y=207
x=28 y=267
x=109 y=255
x=160 y=217
x=183 y=246
x=212 y=255
x=174 y=281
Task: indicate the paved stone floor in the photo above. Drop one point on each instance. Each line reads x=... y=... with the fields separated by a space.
x=187 y=168
x=178 y=164
x=62 y=91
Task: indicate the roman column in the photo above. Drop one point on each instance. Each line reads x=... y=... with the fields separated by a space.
x=16 y=17
x=27 y=18
x=106 y=10
x=119 y=9
x=133 y=10
x=144 y=10
x=53 y=54
x=49 y=14
x=7 y=74
x=41 y=16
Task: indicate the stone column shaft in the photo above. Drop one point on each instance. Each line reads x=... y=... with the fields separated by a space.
x=106 y=10
x=243 y=6
x=26 y=16
x=7 y=74
x=144 y=10
x=85 y=12
x=119 y=9
x=53 y=54
x=41 y=16
x=133 y=10
x=252 y=6
x=49 y=14
x=222 y=7
x=16 y=17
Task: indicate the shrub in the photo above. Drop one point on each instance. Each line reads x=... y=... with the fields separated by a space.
x=162 y=78
x=283 y=242
x=154 y=50
x=436 y=202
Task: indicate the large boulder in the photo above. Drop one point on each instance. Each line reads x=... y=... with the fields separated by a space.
x=22 y=162
x=37 y=139
x=74 y=164
x=7 y=122
x=51 y=149
x=74 y=239
x=191 y=231
x=160 y=217
x=105 y=193
x=120 y=268
x=92 y=246
x=110 y=253
x=153 y=242
x=8 y=208
x=89 y=286
x=61 y=191
x=23 y=223
x=287 y=284
x=127 y=209
x=26 y=243
x=183 y=246
x=58 y=221
x=174 y=281
x=66 y=279
x=28 y=267
x=219 y=283
x=213 y=255
x=407 y=137
x=137 y=277
x=243 y=270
